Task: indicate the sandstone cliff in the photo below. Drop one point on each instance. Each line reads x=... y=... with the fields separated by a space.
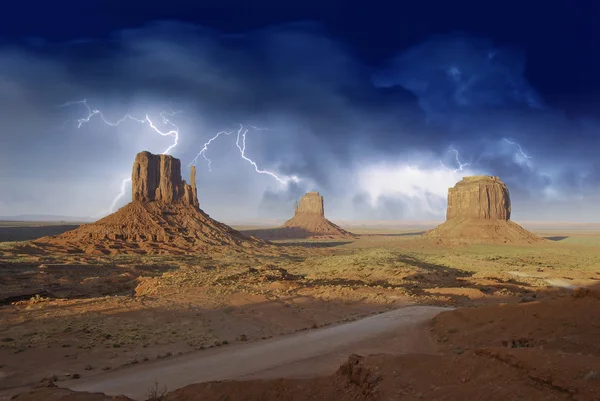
x=163 y=217
x=310 y=204
x=479 y=211
x=479 y=197
x=158 y=178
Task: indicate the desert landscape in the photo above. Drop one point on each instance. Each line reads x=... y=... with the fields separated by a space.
x=158 y=301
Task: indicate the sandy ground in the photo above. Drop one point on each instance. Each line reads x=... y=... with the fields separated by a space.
x=536 y=350
x=308 y=354
x=73 y=315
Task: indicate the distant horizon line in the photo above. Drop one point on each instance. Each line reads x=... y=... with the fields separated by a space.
x=51 y=218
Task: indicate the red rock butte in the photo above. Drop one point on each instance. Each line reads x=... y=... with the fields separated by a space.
x=163 y=217
x=479 y=197
x=479 y=211
x=158 y=178
x=309 y=220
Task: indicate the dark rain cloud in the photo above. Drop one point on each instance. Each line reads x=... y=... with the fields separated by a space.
x=477 y=94
x=328 y=117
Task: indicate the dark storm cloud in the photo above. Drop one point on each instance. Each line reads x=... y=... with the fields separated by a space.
x=281 y=204
x=452 y=72
x=327 y=116
x=477 y=93
x=312 y=93
x=388 y=208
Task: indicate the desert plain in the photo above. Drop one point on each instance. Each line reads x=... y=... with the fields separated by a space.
x=70 y=317
x=159 y=301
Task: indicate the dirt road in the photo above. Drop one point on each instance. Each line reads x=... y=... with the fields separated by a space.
x=306 y=354
x=559 y=282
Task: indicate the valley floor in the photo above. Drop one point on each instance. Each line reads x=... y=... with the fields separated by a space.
x=72 y=319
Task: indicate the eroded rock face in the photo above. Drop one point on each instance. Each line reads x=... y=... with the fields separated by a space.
x=479 y=197
x=310 y=204
x=158 y=178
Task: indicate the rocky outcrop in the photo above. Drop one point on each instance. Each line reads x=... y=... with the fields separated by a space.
x=191 y=191
x=310 y=204
x=158 y=178
x=309 y=220
x=163 y=217
x=479 y=197
x=479 y=211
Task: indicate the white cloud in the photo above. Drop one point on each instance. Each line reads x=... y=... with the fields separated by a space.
x=424 y=190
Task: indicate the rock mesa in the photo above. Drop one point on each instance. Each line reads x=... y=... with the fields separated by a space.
x=479 y=210
x=163 y=217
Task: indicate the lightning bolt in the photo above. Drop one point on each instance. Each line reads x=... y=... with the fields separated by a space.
x=241 y=145
x=121 y=194
x=205 y=149
x=242 y=132
x=92 y=112
x=520 y=149
x=174 y=132
x=460 y=164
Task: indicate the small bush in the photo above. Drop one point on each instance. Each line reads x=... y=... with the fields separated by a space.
x=155 y=393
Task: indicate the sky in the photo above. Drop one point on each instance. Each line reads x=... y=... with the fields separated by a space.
x=381 y=108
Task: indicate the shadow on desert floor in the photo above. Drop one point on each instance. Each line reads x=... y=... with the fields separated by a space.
x=278 y=233
x=408 y=234
x=26 y=233
x=296 y=233
x=24 y=280
x=557 y=238
x=314 y=244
